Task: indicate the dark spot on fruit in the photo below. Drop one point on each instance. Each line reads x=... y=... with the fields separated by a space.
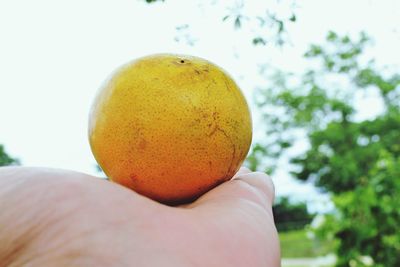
x=142 y=144
x=215 y=115
x=182 y=61
x=198 y=72
x=213 y=131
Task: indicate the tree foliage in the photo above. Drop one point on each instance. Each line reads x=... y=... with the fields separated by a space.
x=353 y=157
x=152 y=1
x=291 y=216
x=367 y=224
x=5 y=159
x=269 y=25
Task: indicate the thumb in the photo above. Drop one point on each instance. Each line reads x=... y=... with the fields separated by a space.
x=256 y=187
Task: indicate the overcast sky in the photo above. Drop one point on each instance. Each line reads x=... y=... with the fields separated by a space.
x=54 y=55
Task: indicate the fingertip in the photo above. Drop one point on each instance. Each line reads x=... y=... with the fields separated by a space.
x=261 y=182
x=241 y=171
x=256 y=187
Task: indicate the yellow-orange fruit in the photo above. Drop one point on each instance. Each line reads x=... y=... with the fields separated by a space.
x=170 y=127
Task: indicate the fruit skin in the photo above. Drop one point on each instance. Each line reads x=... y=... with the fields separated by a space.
x=170 y=127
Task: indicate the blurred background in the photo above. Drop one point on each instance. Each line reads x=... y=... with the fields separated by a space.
x=322 y=79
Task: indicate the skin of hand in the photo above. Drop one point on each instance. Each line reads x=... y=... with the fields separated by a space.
x=63 y=218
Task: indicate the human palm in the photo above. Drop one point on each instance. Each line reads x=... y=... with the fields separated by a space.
x=63 y=218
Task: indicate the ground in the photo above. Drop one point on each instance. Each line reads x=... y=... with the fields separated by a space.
x=299 y=250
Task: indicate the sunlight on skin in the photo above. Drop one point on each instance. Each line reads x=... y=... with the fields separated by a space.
x=62 y=218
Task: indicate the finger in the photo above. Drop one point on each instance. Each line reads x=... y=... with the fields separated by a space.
x=256 y=187
x=261 y=182
x=242 y=170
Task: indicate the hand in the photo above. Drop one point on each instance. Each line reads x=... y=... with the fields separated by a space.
x=63 y=218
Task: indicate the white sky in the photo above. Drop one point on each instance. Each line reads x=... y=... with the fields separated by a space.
x=54 y=55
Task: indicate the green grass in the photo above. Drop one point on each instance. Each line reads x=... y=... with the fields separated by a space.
x=296 y=244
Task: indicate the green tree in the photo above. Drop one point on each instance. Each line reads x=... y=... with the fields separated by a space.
x=5 y=159
x=291 y=216
x=368 y=220
x=354 y=158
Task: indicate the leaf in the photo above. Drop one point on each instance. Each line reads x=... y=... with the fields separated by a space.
x=281 y=26
x=182 y=27
x=261 y=20
x=314 y=50
x=238 y=23
x=225 y=18
x=259 y=41
x=332 y=36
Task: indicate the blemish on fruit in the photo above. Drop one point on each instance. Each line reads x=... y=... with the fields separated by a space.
x=133 y=177
x=142 y=144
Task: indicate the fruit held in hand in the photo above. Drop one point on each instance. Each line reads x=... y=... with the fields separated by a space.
x=170 y=127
